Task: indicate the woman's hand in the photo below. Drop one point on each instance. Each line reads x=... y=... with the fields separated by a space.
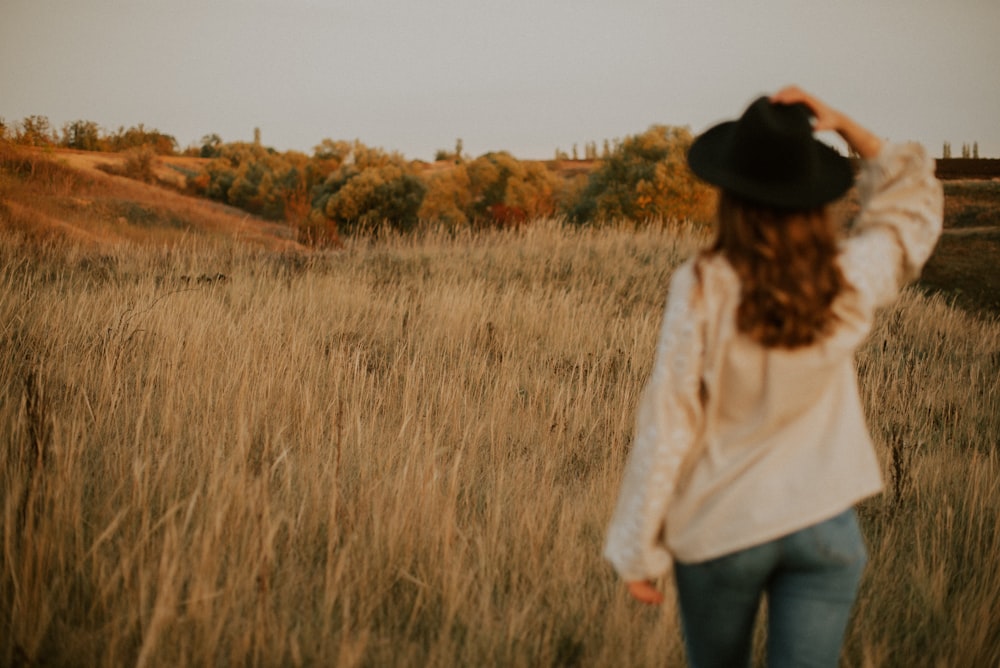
x=827 y=118
x=857 y=137
x=644 y=592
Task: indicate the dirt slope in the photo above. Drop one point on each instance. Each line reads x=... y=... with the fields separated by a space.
x=66 y=195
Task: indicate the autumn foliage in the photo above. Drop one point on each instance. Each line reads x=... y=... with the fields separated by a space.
x=646 y=177
x=344 y=187
x=348 y=186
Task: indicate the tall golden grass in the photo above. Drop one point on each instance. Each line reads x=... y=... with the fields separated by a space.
x=405 y=453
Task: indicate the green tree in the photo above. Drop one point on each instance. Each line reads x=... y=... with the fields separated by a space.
x=448 y=198
x=82 y=135
x=243 y=192
x=495 y=188
x=645 y=177
x=232 y=175
x=262 y=181
x=333 y=152
x=454 y=156
x=35 y=131
x=211 y=146
x=371 y=187
x=524 y=189
x=134 y=137
x=284 y=190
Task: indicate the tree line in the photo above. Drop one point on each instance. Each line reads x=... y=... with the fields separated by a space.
x=345 y=186
x=968 y=152
x=85 y=136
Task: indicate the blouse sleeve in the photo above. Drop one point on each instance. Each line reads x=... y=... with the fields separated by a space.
x=667 y=424
x=899 y=223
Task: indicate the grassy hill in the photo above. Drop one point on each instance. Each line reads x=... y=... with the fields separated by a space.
x=66 y=195
x=84 y=197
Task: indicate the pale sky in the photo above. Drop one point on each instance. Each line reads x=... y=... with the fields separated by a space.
x=526 y=76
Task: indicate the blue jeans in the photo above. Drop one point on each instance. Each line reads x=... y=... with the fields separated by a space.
x=811 y=579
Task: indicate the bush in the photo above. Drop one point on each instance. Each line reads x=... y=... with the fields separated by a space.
x=370 y=188
x=35 y=131
x=646 y=177
x=495 y=189
x=139 y=163
x=138 y=136
x=82 y=135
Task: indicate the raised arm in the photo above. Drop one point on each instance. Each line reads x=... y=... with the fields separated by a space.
x=901 y=205
x=859 y=138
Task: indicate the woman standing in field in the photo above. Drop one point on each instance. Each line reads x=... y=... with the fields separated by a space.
x=750 y=447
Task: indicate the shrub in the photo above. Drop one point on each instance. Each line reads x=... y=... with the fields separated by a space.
x=138 y=136
x=82 y=135
x=369 y=188
x=35 y=131
x=645 y=177
x=139 y=162
x=495 y=189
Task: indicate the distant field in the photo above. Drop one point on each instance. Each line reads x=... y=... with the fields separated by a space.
x=965 y=267
x=221 y=448
x=968 y=168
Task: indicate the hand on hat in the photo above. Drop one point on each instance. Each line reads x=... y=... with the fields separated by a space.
x=826 y=118
x=863 y=141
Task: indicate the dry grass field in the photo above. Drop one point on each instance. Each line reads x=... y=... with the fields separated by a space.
x=225 y=451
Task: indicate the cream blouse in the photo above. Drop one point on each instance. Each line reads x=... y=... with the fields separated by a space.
x=737 y=444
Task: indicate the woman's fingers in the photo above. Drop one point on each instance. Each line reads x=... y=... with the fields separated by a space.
x=789 y=95
x=644 y=592
x=826 y=117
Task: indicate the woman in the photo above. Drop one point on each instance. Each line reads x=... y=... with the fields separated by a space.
x=750 y=447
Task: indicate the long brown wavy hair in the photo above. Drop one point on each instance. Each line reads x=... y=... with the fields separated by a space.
x=786 y=262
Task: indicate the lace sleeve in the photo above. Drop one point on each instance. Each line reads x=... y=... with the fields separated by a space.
x=899 y=224
x=667 y=424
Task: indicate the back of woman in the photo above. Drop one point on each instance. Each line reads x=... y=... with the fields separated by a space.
x=751 y=446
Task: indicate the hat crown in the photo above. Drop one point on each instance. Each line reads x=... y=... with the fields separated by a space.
x=769 y=155
x=773 y=142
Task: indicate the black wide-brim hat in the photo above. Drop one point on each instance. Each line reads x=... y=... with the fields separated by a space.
x=770 y=156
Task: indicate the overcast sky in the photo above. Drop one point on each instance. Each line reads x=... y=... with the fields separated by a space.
x=527 y=76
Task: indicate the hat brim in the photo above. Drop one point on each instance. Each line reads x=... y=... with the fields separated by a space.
x=710 y=159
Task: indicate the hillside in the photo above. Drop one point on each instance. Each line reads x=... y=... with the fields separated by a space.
x=67 y=194
x=64 y=195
